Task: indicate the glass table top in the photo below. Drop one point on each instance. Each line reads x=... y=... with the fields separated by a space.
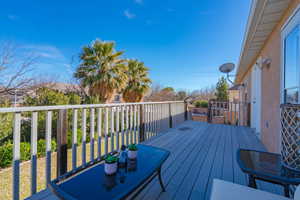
x=266 y=165
x=94 y=184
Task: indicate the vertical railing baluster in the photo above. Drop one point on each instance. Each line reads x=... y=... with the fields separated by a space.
x=155 y=120
x=152 y=120
x=74 y=139
x=92 y=134
x=149 y=121
x=99 y=131
x=235 y=114
x=127 y=125
x=139 y=128
x=135 y=123
x=16 y=156
x=122 y=125
x=131 y=125
x=106 y=131
x=146 y=122
x=48 y=145
x=112 y=134
x=83 y=126
x=161 y=117
x=34 y=128
x=118 y=127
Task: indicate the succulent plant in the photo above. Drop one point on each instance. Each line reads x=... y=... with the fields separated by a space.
x=109 y=159
x=132 y=147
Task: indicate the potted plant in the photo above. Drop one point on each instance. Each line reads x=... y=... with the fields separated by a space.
x=111 y=164
x=132 y=151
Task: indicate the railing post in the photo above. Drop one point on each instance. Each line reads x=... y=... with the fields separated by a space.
x=142 y=124
x=170 y=116
x=186 y=111
x=62 y=156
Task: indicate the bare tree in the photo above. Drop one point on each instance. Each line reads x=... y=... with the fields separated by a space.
x=14 y=69
x=159 y=93
x=204 y=93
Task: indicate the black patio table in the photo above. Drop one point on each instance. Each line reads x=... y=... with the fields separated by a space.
x=267 y=167
x=92 y=183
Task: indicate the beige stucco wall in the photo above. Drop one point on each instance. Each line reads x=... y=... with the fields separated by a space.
x=245 y=93
x=270 y=99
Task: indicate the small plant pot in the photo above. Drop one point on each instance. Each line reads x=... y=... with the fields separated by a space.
x=110 y=168
x=132 y=154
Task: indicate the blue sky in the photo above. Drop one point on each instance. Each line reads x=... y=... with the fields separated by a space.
x=182 y=42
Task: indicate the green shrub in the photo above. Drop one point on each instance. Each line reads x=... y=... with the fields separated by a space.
x=79 y=138
x=6 y=155
x=6 y=152
x=41 y=147
x=201 y=104
x=25 y=151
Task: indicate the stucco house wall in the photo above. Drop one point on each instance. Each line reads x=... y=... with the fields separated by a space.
x=271 y=91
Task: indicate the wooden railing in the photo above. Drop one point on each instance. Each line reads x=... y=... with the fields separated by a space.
x=225 y=112
x=111 y=125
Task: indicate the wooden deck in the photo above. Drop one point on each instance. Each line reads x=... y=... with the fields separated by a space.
x=200 y=152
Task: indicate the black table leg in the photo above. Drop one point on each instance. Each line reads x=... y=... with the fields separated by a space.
x=286 y=190
x=252 y=182
x=160 y=180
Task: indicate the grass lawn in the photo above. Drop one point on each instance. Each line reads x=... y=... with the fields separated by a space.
x=25 y=178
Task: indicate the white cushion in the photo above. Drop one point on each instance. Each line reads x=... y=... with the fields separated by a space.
x=223 y=190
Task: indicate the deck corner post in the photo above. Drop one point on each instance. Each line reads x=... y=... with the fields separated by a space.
x=170 y=116
x=62 y=149
x=142 y=124
x=186 y=111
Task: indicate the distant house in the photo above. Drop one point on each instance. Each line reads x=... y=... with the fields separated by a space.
x=269 y=66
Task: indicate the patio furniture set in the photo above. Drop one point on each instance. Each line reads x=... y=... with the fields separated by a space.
x=95 y=182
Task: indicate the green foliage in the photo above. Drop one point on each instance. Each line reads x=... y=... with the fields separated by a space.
x=74 y=99
x=222 y=90
x=132 y=147
x=138 y=81
x=46 y=96
x=6 y=120
x=6 y=152
x=79 y=138
x=201 y=104
x=111 y=159
x=168 y=89
x=6 y=155
x=41 y=147
x=101 y=69
x=25 y=151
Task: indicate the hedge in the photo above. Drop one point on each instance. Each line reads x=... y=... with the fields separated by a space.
x=6 y=152
x=201 y=104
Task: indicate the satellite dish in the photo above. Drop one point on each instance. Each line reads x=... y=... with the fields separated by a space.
x=227 y=68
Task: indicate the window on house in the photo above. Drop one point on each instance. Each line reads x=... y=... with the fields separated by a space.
x=291 y=67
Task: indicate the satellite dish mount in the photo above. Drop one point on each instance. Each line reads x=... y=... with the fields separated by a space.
x=227 y=68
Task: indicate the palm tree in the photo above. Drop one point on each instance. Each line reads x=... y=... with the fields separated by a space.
x=138 y=82
x=101 y=70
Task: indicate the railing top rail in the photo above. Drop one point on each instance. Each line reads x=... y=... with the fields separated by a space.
x=63 y=107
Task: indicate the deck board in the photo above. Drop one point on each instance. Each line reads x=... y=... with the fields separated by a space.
x=198 y=155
